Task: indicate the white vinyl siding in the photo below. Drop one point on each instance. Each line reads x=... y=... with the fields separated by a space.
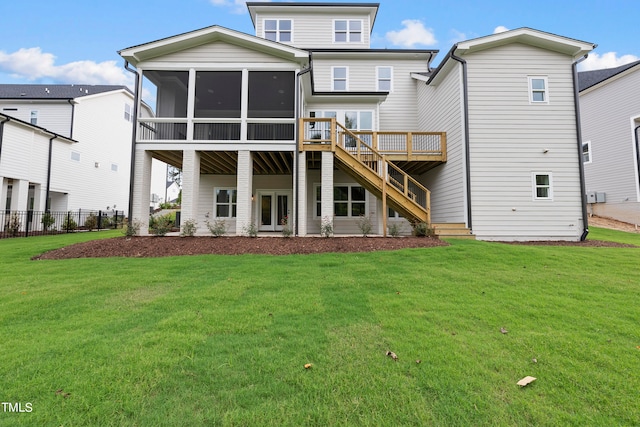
x=53 y=116
x=315 y=30
x=510 y=138
x=222 y=52
x=609 y=115
x=441 y=109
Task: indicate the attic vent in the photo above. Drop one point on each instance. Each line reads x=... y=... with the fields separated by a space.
x=23 y=94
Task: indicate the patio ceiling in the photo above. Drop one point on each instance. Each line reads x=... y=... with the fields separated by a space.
x=226 y=162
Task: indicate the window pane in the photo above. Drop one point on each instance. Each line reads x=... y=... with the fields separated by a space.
x=542 y=192
x=341 y=37
x=351 y=120
x=354 y=37
x=384 y=72
x=340 y=85
x=538 y=96
x=357 y=194
x=222 y=211
x=270 y=24
x=355 y=25
x=384 y=85
x=234 y=196
x=222 y=196
x=537 y=84
x=341 y=209
x=285 y=25
x=285 y=37
x=339 y=73
x=357 y=209
x=341 y=193
x=270 y=35
x=341 y=25
x=366 y=120
x=542 y=179
x=233 y=211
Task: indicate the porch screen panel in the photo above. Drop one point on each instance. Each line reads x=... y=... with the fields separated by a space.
x=167 y=90
x=218 y=94
x=271 y=94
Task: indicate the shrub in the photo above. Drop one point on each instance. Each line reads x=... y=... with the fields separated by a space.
x=218 y=228
x=394 y=230
x=251 y=230
x=47 y=220
x=189 y=228
x=365 y=226
x=91 y=222
x=326 y=227
x=69 y=223
x=14 y=224
x=132 y=228
x=287 y=231
x=422 y=229
x=161 y=225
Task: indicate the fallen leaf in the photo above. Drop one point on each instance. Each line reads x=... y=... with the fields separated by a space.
x=418 y=361
x=392 y=355
x=59 y=391
x=308 y=366
x=504 y=331
x=534 y=360
x=526 y=380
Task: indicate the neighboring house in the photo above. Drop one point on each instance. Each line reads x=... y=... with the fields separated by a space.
x=93 y=172
x=303 y=122
x=610 y=114
x=27 y=155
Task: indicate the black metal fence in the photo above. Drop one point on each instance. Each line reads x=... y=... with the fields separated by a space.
x=37 y=223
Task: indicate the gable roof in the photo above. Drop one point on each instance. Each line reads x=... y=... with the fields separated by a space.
x=168 y=45
x=529 y=36
x=587 y=79
x=41 y=91
x=255 y=7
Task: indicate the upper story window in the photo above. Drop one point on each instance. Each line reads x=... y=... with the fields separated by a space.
x=127 y=112
x=278 y=30
x=586 y=152
x=538 y=90
x=34 y=118
x=75 y=156
x=347 y=31
x=339 y=78
x=542 y=186
x=384 y=75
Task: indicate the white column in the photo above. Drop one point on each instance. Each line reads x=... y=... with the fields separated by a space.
x=3 y=193
x=244 y=187
x=190 y=185
x=326 y=192
x=302 y=194
x=142 y=191
x=20 y=195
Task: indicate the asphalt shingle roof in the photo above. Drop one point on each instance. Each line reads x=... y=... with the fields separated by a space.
x=8 y=91
x=586 y=79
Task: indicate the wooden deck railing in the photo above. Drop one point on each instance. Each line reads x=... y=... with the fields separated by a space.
x=326 y=134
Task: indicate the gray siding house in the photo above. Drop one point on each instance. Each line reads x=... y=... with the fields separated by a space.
x=610 y=113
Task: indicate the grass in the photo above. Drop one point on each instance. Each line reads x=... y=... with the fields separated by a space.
x=223 y=340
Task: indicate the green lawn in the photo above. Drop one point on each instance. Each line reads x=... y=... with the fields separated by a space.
x=223 y=340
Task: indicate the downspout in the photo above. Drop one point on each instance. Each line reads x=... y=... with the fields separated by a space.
x=465 y=95
x=295 y=151
x=73 y=112
x=576 y=101
x=133 y=138
x=47 y=206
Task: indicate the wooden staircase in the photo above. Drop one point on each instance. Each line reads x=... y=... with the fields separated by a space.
x=369 y=168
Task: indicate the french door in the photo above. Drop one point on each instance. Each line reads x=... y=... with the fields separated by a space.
x=274 y=209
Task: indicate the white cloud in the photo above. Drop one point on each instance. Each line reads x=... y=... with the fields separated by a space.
x=414 y=33
x=33 y=64
x=500 y=29
x=235 y=6
x=606 y=60
x=457 y=36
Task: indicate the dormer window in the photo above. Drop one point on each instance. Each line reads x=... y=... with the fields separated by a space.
x=278 y=30
x=347 y=31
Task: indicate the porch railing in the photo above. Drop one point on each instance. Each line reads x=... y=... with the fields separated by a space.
x=38 y=223
x=218 y=130
x=326 y=134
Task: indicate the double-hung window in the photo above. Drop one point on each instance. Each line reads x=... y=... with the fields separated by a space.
x=278 y=30
x=347 y=31
x=34 y=117
x=340 y=78
x=538 y=90
x=384 y=76
x=225 y=201
x=542 y=186
x=349 y=201
x=586 y=152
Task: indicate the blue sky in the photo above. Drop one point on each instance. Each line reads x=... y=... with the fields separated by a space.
x=73 y=41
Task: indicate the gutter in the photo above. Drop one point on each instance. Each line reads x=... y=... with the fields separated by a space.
x=133 y=138
x=637 y=152
x=576 y=101
x=465 y=95
x=46 y=197
x=73 y=112
x=295 y=155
